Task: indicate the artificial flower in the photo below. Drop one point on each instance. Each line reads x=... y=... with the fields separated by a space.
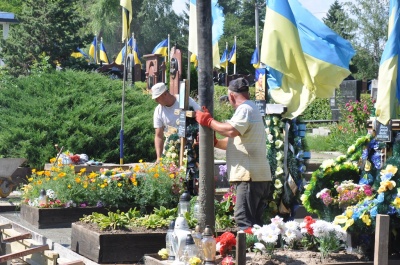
x=163 y=253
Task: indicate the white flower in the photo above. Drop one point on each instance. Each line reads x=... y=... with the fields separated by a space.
x=174 y=155
x=321 y=228
x=51 y=194
x=278 y=144
x=327 y=163
x=259 y=246
x=275 y=120
x=279 y=156
x=278 y=184
x=276 y=132
x=270 y=138
x=292 y=225
x=267 y=131
x=351 y=149
x=268 y=122
x=278 y=171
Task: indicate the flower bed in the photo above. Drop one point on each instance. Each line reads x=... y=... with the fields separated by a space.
x=111 y=247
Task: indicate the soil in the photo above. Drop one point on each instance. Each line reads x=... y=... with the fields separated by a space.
x=280 y=257
x=301 y=257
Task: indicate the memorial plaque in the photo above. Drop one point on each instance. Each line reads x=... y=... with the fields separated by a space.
x=182 y=124
x=261 y=104
x=383 y=132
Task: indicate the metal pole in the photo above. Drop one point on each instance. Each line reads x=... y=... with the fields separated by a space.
x=256 y=19
x=206 y=94
x=234 y=66
x=121 y=132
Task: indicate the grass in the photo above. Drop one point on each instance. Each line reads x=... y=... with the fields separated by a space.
x=318 y=143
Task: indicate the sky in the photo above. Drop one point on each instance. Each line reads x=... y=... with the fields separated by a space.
x=318 y=8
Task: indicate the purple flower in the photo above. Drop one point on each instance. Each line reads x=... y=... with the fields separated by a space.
x=99 y=204
x=364 y=154
x=376 y=160
x=83 y=205
x=222 y=170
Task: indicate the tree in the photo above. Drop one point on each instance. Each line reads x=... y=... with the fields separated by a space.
x=336 y=19
x=46 y=28
x=369 y=23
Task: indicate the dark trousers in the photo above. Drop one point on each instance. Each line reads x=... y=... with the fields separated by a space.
x=250 y=205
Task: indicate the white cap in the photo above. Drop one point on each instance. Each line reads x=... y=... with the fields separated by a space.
x=157 y=90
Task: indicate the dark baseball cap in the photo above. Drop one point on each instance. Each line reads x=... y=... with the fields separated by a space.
x=239 y=85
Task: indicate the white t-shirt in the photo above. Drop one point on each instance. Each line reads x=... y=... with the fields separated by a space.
x=246 y=154
x=165 y=117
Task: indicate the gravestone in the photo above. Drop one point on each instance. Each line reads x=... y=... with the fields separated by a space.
x=374 y=89
x=349 y=90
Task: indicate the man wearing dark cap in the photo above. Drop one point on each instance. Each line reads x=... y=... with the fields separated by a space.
x=246 y=156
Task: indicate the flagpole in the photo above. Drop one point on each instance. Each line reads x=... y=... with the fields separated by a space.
x=257 y=37
x=121 y=132
x=234 y=66
x=227 y=62
x=168 y=59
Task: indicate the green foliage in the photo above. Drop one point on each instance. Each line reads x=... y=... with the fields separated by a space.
x=319 y=109
x=78 y=110
x=46 y=28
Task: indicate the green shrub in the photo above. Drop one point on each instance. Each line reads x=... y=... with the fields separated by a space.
x=319 y=109
x=78 y=110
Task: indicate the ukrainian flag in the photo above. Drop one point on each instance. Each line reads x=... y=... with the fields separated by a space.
x=232 y=54
x=255 y=59
x=93 y=49
x=121 y=55
x=224 y=59
x=136 y=55
x=193 y=59
x=388 y=82
x=306 y=59
x=218 y=19
x=126 y=17
x=103 y=53
x=161 y=48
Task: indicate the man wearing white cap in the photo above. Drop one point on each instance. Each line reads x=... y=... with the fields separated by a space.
x=164 y=118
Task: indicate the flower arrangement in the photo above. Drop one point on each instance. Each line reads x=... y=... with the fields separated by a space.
x=284 y=193
x=327 y=236
x=144 y=185
x=357 y=112
x=225 y=243
x=321 y=195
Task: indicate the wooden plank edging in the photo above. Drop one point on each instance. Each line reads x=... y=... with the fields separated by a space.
x=23 y=253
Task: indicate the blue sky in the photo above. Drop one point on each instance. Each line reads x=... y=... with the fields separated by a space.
x=317 y=7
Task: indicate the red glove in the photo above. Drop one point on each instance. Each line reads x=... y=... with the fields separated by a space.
x=204 y=117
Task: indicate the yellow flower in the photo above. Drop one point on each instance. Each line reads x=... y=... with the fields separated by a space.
x=55 y=178
x=172 y=175
x=385 y=185
x=136 y=168
x=156 y=175
x=47 y=173
x=30 y=179
x=62 y=174
x=194 y=261
x=396 y=202
x=83 y=170
x=349 y=212
x=365 y=218
x=367 y=166
x=351 y=149
x=40 y=173
x=389 y=169
x=92 y=175
x=278 y=171
x=85 y=184
x=102 y=186
x=52 y=160
x=69 y=186
x=78 y=180
x=340 y=219
x=119 y=184
x=33 y=171
x=163 y=253
x=39 y=182
x=141 y=161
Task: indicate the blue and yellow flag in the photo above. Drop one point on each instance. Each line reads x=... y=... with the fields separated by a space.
x=103 y=53
x=136 y=55
x=93 y=49
x=121 y=55
x=217 y=30
x=388 y=95
x=126 y=18
x=255 y=59
x=232 y=54
x=305 y=58
x=224 y=59
x=79 y=54
x=161 y=48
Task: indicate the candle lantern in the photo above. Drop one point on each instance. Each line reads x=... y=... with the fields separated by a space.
x=184 y=204
x=208 y=244
x=169 y=238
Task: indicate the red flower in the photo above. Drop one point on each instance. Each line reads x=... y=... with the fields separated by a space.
x=248 y=231
x=75 y=159
x=225 y=242
x=308 y=220
x=228 y=261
